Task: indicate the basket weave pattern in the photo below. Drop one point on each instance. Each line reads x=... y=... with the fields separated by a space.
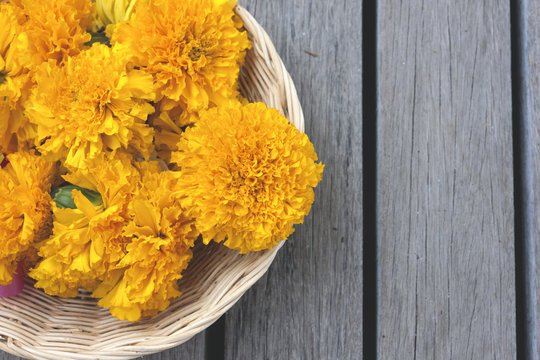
x=37 y=326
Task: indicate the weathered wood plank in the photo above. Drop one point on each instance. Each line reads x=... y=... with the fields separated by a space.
x=532 y=131
x=445 y=195
x=309 y=305
x=6 y=356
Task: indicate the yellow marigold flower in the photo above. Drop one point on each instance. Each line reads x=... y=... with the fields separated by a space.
x=169 y=123
x=88 y=235
x=247 y=175
x=56 y=29
x=193 y=48
x=25 y=209
x=14 y=79
x=165 y=140
x=120 y=233
x=91 y=105
x=112 y=12
x=161 y=238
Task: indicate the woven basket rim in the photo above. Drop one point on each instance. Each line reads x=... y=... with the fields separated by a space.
x=37 y=326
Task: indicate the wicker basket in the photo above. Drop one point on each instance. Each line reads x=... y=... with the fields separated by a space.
x=38 y=326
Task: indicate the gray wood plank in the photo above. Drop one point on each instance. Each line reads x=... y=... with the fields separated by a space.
x=445 y=195
x=6 y=356
x=194 y=349
x=532 y=61
x=309 y=305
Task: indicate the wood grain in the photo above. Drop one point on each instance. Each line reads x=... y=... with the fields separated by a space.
x=309 y=305
x=6 y=356
x=533 y=91
x=445 y=195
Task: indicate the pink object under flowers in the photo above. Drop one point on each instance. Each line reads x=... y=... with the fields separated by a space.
x=16 y=285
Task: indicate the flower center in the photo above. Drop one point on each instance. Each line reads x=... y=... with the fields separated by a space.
x=103 y=99
x=3 y=77
x=197 y=48
x=75 y=94
x=196 y=53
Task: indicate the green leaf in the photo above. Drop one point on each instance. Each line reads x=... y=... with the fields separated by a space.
x=99 y=37
x=63 y=199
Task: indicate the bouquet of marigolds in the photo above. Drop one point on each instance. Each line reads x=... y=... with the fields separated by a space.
x=124 y=139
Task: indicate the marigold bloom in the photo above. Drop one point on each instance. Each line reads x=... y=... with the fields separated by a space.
x=169 y=123
x=91 y=105
x=14 y=79
x=25 y=209
x=112 y=12
x=56 y=29
x=247 y=176
x=161 y=238
x=193 y=48
x=88 y=240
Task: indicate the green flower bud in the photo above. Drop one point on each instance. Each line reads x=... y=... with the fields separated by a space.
x=63 y=196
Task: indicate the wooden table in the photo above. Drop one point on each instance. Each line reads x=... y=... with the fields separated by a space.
x=421 y=241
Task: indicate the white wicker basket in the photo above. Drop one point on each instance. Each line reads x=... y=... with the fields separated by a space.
x=37 y=326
